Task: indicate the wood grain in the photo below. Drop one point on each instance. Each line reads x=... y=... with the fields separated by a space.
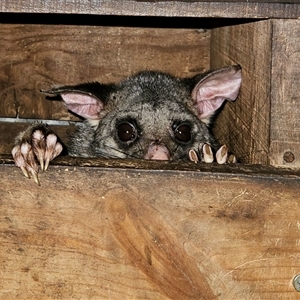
x=232 y=9
x=285 y=110
x=39 y=56
x=244 y=124
x=134 y=234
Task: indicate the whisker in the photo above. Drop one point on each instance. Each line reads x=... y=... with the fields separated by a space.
x=183 y=156
x=140 y=147
x=119 y=151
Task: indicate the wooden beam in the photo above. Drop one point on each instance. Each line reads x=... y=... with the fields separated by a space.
x=115 y=233
x=285 y=110
x=227 y=9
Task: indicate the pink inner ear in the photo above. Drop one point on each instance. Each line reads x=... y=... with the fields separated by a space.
x=207 y=107
x=210 y=93
x=84 y=105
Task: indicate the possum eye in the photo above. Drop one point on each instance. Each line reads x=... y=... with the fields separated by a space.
x=126 y=132
x=182 y=133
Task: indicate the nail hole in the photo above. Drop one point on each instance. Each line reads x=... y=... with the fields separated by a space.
x=288 y=156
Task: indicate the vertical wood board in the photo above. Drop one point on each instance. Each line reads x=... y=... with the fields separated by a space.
x=244 y=124
x=285 y=105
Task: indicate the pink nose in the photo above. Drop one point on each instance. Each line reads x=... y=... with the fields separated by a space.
x=157 y=152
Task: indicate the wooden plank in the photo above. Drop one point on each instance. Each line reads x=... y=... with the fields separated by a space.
x=244 y=125
x=134 y=234
x=234 y=169
x=229 y=9
x=285 y=110
x=38 y=56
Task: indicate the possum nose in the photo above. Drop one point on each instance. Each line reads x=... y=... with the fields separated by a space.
x=157 y=152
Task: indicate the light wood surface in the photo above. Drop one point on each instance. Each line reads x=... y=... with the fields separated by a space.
x=245 y=124
x=139 y=234
x=285 y=109
x=34 y=57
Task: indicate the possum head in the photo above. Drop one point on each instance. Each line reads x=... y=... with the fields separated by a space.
x=150 y=115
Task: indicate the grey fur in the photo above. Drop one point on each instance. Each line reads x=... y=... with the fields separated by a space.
x=154 y=102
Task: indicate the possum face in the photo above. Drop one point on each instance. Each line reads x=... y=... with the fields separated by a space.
x=150 y=115
x=149 y=132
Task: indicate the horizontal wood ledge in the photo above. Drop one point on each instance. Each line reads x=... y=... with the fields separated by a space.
x=103 y=232
x=226 y=9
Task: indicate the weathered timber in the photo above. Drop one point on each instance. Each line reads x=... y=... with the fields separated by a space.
x=285 y=97
x=234 y=169
x=262 y=126
x=245 y=124
x=35 y=57
x=229 y=9
x=118 y=233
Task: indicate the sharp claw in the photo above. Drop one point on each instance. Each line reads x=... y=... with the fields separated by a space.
x=35 y=177
x=231 y=159
x=35 y=147
x=222 y=155
x=207 y=153
x=25 y=172
x=41 y=160
x=193 y=156
x=46 y=164
x=58 y=150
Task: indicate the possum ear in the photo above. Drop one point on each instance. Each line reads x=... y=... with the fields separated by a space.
x=214 y=88
x=85 y=100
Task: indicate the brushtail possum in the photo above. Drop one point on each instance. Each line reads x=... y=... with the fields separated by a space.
x=150 y=115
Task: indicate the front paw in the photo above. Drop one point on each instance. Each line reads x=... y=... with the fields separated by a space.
x=35 y=146
x=205 y=154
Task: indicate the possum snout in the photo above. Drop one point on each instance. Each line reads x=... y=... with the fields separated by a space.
x=157 y=151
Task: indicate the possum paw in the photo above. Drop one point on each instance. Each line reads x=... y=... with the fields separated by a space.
x=35 y=146
x=206 y=155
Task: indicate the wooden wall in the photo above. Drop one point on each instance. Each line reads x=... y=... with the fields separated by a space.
x=99 y=233
x=39 y=56
x=245 y=124
x=262 y=126
x=285 y=97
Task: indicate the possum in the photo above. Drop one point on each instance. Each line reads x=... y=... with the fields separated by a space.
x=150 y=115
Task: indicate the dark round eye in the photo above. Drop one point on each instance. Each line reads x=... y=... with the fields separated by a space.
x=126 y=132
x=183 y=133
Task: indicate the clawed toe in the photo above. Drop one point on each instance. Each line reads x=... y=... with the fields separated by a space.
x=206 y=155
x=222 y=155
x=232 y=159
x=46 y=147
x=25 y=159
x=35 y=145
x=193 y=156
